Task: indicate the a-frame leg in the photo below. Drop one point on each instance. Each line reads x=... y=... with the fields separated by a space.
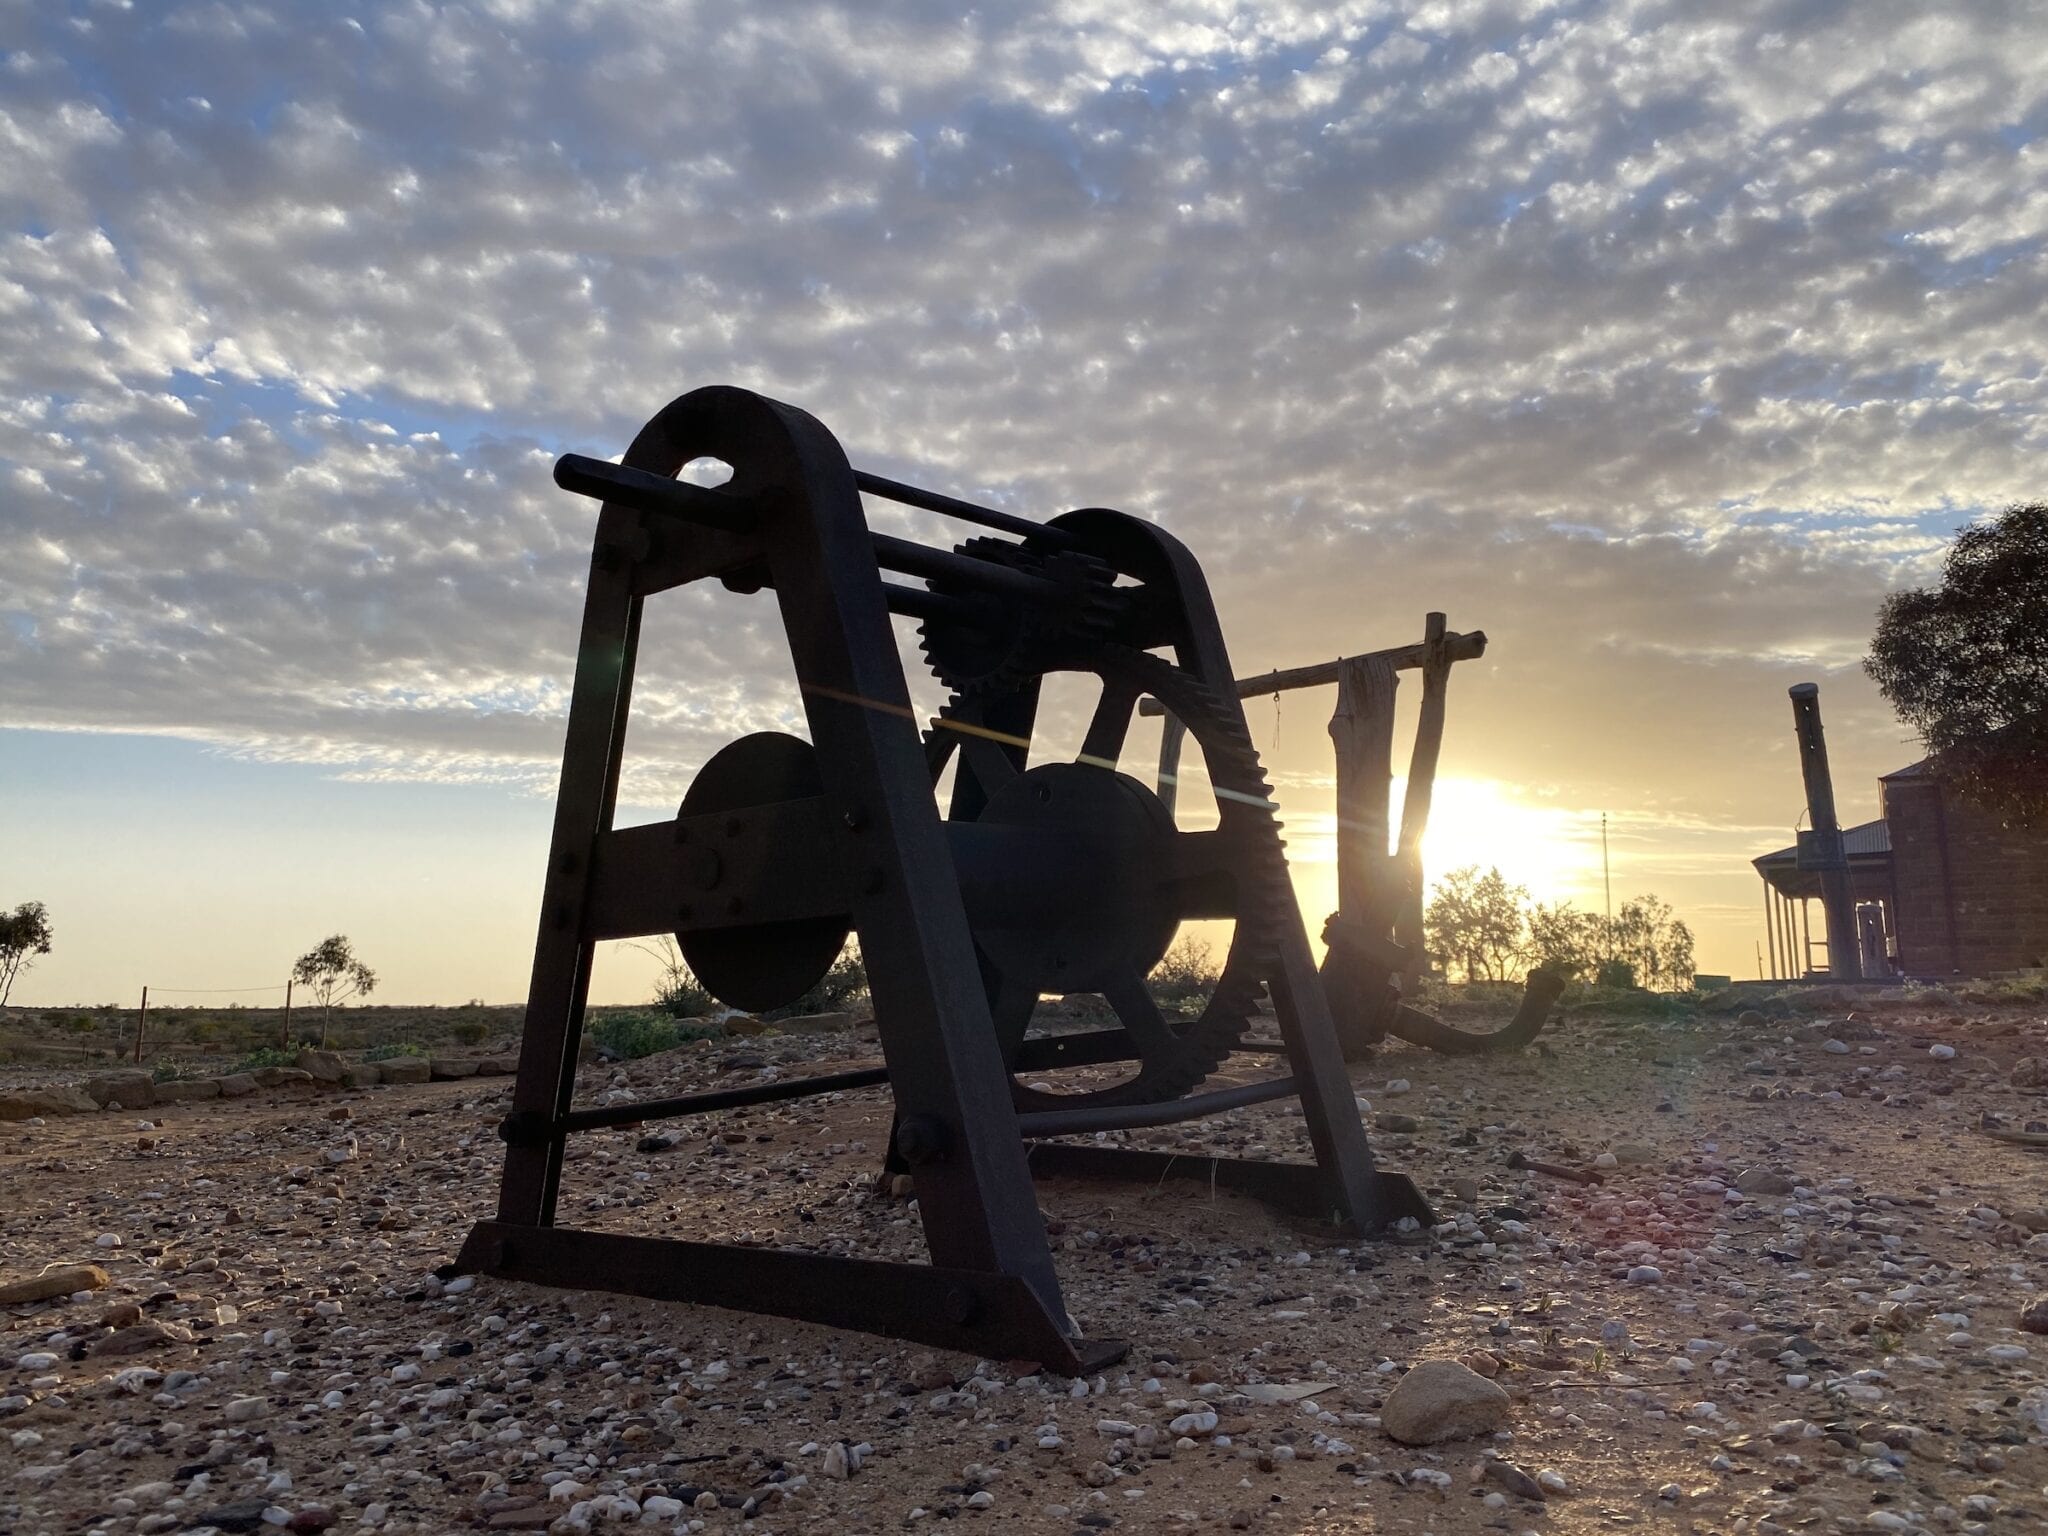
x=560 y=986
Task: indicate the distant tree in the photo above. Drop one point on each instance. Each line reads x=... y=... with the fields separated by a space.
x=1648 y=938
x=24 y=934
x=1474 y=921
x=1965 y=663
x=1484 y=929
x=333 y=974
x=1565 y=940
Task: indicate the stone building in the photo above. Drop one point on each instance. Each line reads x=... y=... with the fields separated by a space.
x=1941 y=890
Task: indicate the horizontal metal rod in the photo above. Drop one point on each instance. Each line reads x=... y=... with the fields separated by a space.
x=1127 y=1117
x=912 y=559
x=1401 y=658
x=660 y=495
x=964 y=511
x=876 y=1077
x=643 y=492
x=1096 y=1047
x=724 y=1098
x=923 y=603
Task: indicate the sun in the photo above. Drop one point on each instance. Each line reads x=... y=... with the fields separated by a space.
x=1552 y=850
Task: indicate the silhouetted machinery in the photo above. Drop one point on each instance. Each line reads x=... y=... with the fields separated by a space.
x=1042 y=877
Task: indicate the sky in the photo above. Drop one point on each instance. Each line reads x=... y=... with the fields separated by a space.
x=1659 y=341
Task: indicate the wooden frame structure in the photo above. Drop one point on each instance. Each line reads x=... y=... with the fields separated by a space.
x=1379 y=888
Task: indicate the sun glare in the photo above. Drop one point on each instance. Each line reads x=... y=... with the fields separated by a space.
x=1553 y=850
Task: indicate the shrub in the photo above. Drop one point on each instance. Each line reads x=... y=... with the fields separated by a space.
x=266 y=1056
x=1185 y=971
x=1616 y=973
x=391 y=1048
x=469 y=1031
x=633 y=1035
x=842 y=989
x=166 y=1072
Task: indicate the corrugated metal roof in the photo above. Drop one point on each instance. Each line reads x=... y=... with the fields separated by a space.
x=1871 y=840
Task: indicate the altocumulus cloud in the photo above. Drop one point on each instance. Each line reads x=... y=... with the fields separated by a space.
x=1658 y=338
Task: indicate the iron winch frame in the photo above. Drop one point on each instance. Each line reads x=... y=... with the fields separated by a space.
x=859 y=839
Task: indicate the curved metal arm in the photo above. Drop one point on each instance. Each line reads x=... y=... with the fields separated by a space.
x=1539 y=995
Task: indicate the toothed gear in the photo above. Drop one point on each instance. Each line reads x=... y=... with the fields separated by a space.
x=1018 y=636
x=1265 y=894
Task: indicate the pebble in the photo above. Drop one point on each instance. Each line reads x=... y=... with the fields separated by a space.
x=1867 y=1316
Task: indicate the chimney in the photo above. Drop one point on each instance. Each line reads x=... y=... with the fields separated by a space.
x=1821 y=849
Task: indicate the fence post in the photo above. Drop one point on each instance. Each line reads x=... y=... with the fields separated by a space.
x=140 y=1014
x=285 y=1040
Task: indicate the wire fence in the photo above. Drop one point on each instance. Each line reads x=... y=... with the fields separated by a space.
x=142 y=1010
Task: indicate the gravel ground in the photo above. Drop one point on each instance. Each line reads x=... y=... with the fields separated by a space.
x=1795 y=1304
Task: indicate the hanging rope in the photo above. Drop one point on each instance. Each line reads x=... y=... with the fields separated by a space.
x=1273 y=741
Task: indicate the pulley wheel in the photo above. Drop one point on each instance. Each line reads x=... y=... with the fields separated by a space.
x=765 y=965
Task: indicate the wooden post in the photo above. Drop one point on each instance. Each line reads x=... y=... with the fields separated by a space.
x=141 y=1014
x=1362 y=730
x=1170 y=740
x=285 y=1039
x=1429 y=741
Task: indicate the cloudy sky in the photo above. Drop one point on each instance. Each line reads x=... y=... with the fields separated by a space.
x=1657 y=340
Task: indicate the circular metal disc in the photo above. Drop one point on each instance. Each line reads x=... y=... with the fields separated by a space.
x=1118 y=916
x=768 y=964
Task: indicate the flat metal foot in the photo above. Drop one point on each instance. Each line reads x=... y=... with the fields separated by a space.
x=993 y=1315
x=1298 y=1188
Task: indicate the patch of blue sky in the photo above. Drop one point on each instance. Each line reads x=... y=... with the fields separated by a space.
x=223 y=399
x=1941 y=271
x=503 y=698
x=199 y=783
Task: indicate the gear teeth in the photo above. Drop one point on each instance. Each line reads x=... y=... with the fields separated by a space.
x=1089 y=612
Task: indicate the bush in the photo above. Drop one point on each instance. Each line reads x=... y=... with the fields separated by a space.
x=630 y=1036
x=267 y=1056
x=166 y=1072
x=842 y=989
x=393 y=1048
x=1187 y=970
x=469 y=1031
x=1616 y=973
x=677 y=992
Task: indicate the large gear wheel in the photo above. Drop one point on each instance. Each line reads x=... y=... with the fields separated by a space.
x=1245 y=851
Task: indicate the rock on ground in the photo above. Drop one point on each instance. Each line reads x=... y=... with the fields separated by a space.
x=1442 y=1400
